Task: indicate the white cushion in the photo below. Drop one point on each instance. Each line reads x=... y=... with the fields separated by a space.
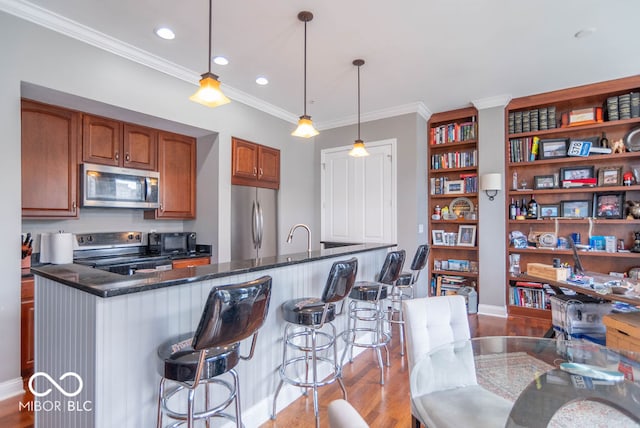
x=343 y=415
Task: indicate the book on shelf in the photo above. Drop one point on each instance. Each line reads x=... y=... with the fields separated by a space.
x=512 y=122
x=526 y=121
x=534 y=120
x=635 y=104
x=624 y=106
x=612 y=108
x=542 y=119
x=551 y=117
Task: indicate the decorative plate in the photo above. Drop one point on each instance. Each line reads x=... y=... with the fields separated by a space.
x=632 y=140
x=460 y=206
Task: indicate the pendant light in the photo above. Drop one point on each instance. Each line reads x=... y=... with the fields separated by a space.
x=305 y=127
x=358 y=149
x=209 y=93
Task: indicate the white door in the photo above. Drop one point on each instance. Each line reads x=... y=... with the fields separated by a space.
x=359 y=194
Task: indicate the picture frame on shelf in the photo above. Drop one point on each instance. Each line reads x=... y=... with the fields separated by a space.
x=608 y=205
x=635 y=169
x=576 y=172
x=549 y=210
x=438 y=237
x=610 y=176
x=576 y=209
x=466 y=235
x=453 y=187
x=544 y=182
x=553 y=148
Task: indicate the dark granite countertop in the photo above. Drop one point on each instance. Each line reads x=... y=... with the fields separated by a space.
x=107 y=284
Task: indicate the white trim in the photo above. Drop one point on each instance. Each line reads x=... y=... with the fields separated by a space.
x=490 y=102
x=11 y=388
x=492 y=310
x=420 y=108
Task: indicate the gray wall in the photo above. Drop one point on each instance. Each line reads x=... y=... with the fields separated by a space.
x=492 y=213
x=410 y=132
x=47 y=59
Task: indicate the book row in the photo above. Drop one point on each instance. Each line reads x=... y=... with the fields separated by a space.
x=453 y=132
x=536 y=297
x=456 y=265
x=625 y=106
x=456 y=159
x=468 y=183
x=533 y=120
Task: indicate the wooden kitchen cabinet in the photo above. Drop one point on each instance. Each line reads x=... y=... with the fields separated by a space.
x=254 y=164
x=196 y=261
x=112 y=142
x=50 y=142
x=177 y=167
x=27 y=330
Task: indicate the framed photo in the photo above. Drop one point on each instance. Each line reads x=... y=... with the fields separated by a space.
x=454 y=186
x=549 y=210
x=576 y=173
x=438 y=237
x=544 y=182
x=553 y=148
x=466 y=236
x=611 y=176
x=608 y=205
x=580 y=208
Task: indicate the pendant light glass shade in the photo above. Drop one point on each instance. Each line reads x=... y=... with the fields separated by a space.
x=305 y=127
x=209 y=93
x=358 y=149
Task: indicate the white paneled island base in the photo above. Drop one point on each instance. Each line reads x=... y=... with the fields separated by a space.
x=110 y=342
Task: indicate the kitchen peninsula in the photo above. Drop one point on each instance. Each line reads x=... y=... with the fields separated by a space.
x=106 y=327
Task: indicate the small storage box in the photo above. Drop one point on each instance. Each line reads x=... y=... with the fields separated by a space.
x=541 y=270
x=623 y=331
x=578 y=314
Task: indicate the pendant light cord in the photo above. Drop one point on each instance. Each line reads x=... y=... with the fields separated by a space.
x=305 y=69
x=210 y=43
x=358 y=102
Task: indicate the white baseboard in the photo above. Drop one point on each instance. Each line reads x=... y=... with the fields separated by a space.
x=492 y=310
x=11 y=388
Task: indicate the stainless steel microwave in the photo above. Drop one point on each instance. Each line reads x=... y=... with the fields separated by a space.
x=113 y=187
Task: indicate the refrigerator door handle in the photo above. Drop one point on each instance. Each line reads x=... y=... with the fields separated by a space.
x=260 y=225
x=255 y=226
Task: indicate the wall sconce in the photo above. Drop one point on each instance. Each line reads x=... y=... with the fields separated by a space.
x=491 y=184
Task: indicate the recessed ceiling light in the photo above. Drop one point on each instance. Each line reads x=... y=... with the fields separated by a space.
x=584 y=33
x=165 y=33
x=220 y=60
x=262 y=81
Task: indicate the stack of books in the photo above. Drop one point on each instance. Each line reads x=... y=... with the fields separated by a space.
x=625 y=106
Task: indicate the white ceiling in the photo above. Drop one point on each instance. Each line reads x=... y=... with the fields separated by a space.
x=433 y=54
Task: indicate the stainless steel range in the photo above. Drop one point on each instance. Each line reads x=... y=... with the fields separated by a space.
x=124 y=253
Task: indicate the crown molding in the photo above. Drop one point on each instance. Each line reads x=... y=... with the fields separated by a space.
x=420 y=108
x=75 y=30
x=490 y=102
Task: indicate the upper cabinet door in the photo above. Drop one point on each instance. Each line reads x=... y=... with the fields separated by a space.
x=269 y=167
x=177 y=167
x=254 y=165
x=244 y=161
x=140 y=147
x=50 y=140
x=101 y=140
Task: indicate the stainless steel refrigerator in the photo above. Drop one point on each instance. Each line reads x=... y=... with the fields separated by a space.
x=254 y=223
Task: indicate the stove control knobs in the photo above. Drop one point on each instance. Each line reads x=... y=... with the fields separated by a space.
x=130 y=236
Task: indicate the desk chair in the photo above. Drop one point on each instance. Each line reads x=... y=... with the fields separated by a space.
x=310 y=315
x=365 y=306
x=231 y=314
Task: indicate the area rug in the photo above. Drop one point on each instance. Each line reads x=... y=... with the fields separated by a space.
x=518 y=370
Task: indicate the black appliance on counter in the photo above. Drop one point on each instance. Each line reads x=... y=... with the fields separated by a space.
x=118 y=252
x=172 y=243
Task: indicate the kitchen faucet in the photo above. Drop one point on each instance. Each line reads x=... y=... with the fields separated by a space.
x=294 y=227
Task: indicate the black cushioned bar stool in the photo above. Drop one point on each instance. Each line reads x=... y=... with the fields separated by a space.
x=365 y=305
x=309 y=344
x=403 y=289
x=231 y=314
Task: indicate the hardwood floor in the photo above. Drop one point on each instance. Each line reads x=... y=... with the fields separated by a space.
x=381 y=406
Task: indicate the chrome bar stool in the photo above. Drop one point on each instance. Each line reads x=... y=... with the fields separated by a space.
x=303 y=334
x=403 y=289
x=231 y=314
x=365 y=305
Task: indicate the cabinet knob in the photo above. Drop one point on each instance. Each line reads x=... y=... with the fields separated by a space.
x=161 y=208
x=127 y=157
x=73 y=206
x=260 y=172
x=117 y=156
x=255 y=170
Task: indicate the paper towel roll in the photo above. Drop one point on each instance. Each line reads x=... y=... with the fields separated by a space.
x=61 y=246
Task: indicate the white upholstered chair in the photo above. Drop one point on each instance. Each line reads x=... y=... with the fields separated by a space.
x=432 y=322
x=343 y=415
